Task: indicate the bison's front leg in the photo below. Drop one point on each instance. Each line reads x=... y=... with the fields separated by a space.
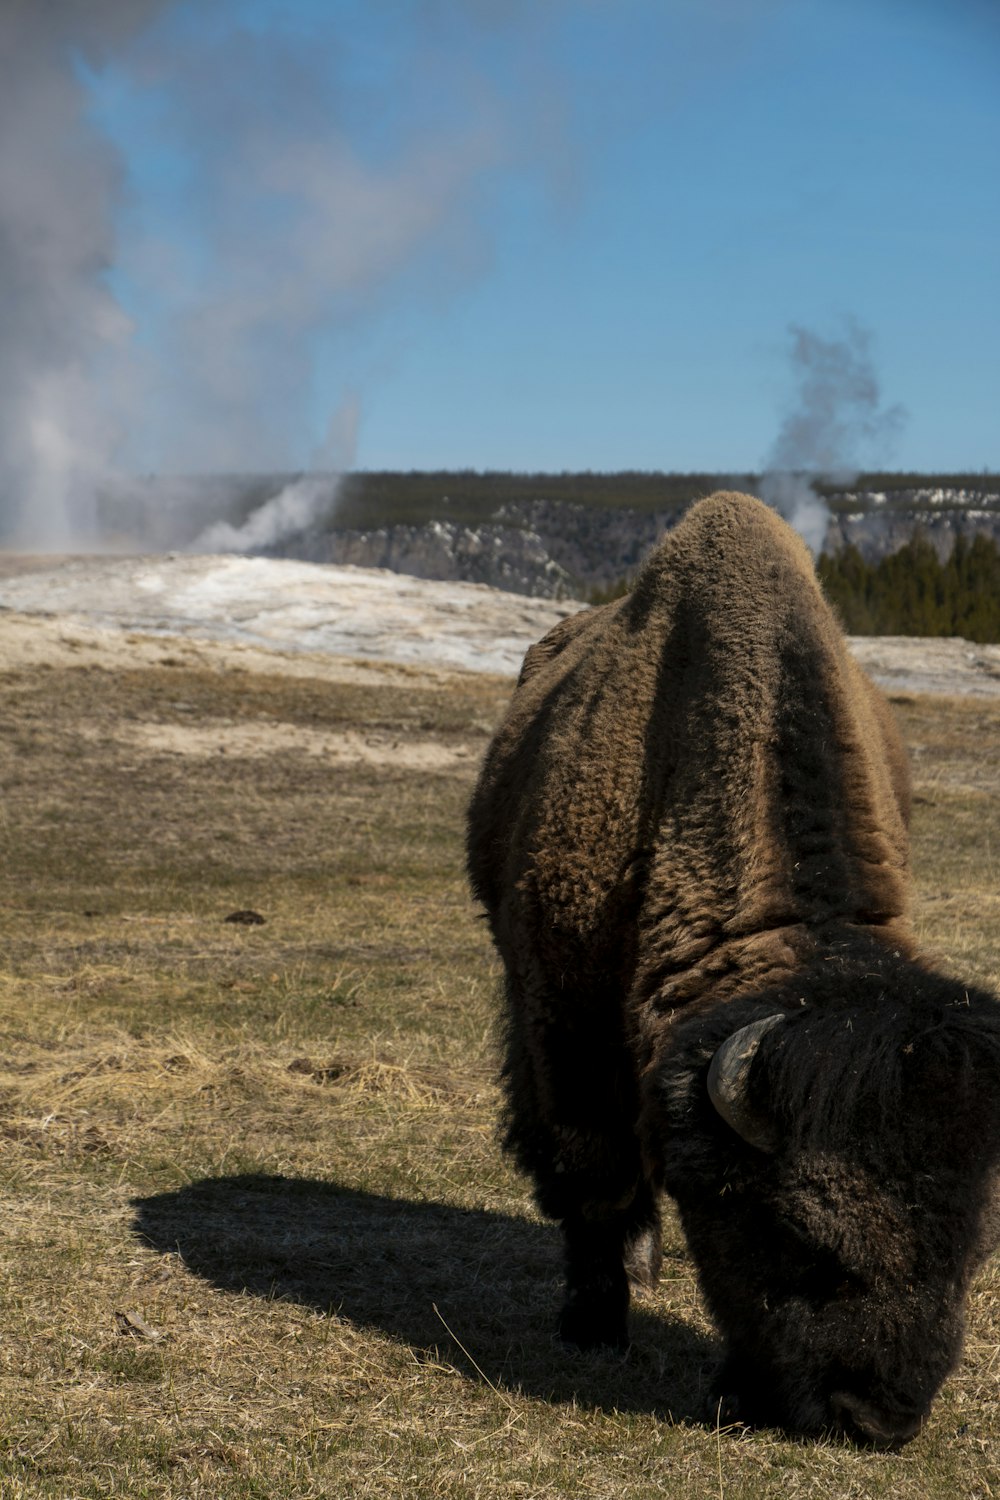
x=602 y=1257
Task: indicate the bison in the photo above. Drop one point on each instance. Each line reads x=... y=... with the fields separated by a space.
x=690 y=837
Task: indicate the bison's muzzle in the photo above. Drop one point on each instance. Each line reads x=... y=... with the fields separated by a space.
x=872 y=1426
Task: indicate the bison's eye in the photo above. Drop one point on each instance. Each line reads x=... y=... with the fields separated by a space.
x=815 y=1272
x=827 y=1280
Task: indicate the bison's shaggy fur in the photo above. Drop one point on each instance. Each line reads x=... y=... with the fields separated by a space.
x=693 y=817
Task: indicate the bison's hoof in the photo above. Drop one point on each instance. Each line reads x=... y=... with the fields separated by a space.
x=643 y=1258
x=585 y=1325
x=729 y=1410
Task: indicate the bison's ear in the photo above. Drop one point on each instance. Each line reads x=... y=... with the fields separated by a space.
x=728 y=1076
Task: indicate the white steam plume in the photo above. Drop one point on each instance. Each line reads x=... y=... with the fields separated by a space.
x=297 y=506
x=59 y=183
x=304 y=502
x=836 y=425
x=293 y=235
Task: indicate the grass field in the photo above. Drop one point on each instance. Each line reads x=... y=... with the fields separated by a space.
x=258 y=1239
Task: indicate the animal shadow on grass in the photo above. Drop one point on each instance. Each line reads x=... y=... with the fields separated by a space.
x=387 y=1263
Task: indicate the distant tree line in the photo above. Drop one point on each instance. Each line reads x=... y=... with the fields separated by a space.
x=371 y=498
x=913 y=592
x=891 y=483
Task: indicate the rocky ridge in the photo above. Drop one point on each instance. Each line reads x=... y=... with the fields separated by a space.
x=557 y=549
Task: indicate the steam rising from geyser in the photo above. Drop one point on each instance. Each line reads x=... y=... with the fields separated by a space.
x=59 y=185
x=286 y=242
x=835 y=427
x=305 y=502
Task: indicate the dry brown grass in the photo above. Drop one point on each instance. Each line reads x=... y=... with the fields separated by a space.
x=258 y=1238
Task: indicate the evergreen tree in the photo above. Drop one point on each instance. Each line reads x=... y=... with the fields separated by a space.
x=912 y=592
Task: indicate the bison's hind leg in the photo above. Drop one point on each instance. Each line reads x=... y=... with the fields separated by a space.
x=603 y=1257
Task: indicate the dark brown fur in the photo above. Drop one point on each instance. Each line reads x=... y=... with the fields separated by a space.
x=695 y=815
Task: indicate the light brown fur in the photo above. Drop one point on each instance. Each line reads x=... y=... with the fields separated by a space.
x=644 y=763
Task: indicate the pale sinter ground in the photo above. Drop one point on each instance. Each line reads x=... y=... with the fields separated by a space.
x=236 y=606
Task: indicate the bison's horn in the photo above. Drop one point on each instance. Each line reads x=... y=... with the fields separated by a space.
x=727 y=1083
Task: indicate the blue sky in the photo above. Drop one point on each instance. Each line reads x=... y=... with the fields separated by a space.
x=550 y=236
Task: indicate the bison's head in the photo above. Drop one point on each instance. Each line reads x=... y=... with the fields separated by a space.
x=833 y=1156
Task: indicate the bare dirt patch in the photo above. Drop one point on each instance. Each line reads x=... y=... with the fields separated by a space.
x=259 y=741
